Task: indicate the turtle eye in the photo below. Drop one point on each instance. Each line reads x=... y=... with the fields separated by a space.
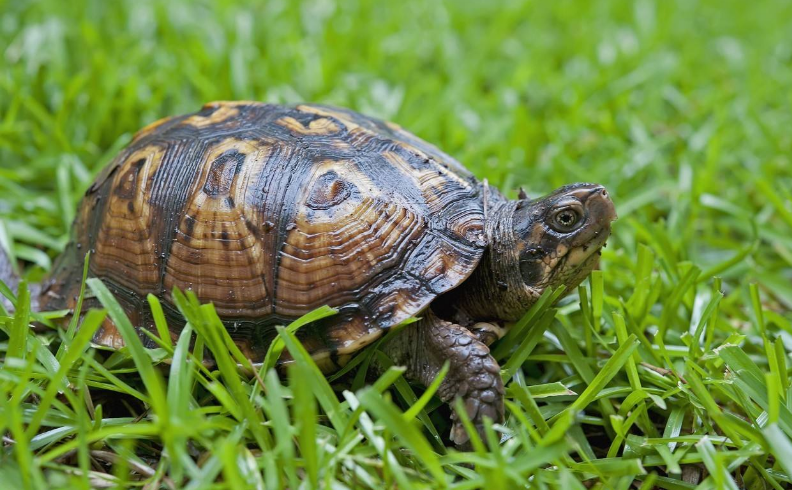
x=565 y=219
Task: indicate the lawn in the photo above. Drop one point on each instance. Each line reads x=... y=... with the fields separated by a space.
x=667 y=369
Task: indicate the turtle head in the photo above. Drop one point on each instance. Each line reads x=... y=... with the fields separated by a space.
x=535 y=244
x=559 y=236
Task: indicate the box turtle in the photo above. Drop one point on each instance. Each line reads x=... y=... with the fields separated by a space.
x=270 y=211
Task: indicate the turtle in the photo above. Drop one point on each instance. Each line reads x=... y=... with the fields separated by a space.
x=270 y=211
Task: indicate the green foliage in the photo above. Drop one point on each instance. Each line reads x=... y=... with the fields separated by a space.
x=655 y=374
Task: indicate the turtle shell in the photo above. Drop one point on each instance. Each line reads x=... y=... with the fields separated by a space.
x=271 y=211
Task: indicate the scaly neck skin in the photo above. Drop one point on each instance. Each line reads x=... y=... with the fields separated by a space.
x=495 y=291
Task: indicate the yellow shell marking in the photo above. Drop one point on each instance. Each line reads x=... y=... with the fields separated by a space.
x=322 y=111
x=214 y=253
x=222 y=113
x=149 y=128
x=124 y=246
x=315 y=127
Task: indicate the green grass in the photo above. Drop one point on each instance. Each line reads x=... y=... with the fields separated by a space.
x=669 y=369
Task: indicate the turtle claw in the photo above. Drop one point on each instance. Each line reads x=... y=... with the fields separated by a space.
x=475 y=379
x=460 y=437
x=473 y=375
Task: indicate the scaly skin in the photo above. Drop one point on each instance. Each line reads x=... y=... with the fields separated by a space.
x=474 y=375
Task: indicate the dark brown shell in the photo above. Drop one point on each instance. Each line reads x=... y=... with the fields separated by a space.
x=269 y=212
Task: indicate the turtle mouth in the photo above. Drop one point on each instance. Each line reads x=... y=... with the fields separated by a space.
x=580 y=256
x=579 y=261
x=575 y=266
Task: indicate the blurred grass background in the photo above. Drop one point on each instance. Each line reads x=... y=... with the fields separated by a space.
x=683 y=109
x=680 y=108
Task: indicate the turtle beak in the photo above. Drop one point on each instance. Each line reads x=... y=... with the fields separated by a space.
x=600 y=206
x=594 y=197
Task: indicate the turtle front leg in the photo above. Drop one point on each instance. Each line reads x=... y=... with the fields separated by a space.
x=473 y=376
